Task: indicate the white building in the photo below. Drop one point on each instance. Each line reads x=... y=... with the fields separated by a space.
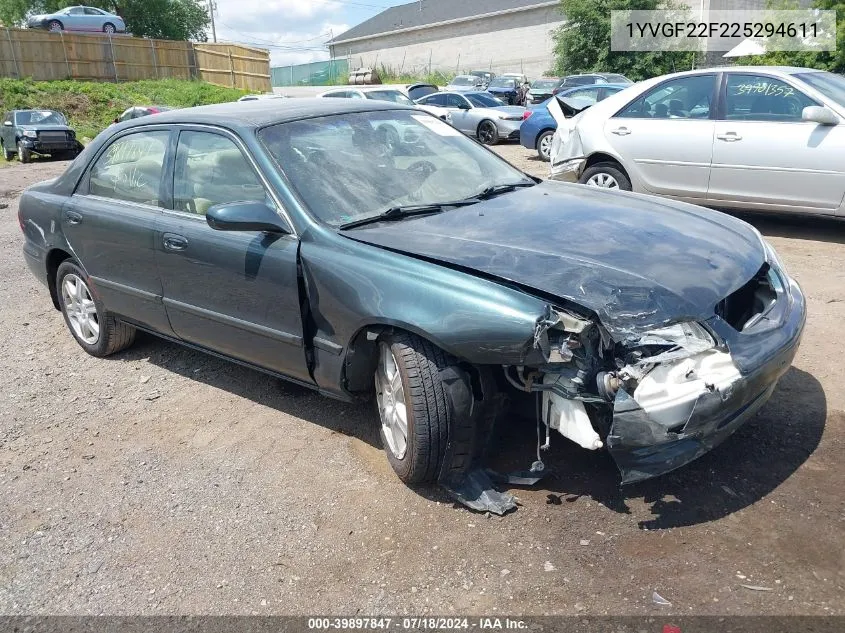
x=455 y=35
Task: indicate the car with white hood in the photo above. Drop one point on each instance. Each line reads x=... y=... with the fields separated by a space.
x=754 y=138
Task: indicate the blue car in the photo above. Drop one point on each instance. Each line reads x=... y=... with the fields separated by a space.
x=537 y=130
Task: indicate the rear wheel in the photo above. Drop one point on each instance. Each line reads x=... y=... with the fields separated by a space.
x=488 y=133
x=97 y=332
x=544 y=145
x=24 y=155
x=412 y=405
x=606 y=176
x=55 y=26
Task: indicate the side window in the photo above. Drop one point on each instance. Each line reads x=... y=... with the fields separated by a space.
x=455 y=101
x=353 y=94
x=130 y=169
x=760 y=98
x=682 y=98
x=76 y=11
x=337 y=95
x=588 y=95
x=210 y=169
x=90 y=11
x=436 y=100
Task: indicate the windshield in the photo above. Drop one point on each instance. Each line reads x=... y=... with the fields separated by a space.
x=354 y=166
x=545 y=84
x=394 y=96
x=503 y=82
x=830 y=85
x=39 y=117
x=464 y=81
x=481 y=100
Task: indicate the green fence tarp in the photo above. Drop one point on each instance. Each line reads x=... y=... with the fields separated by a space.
x=313 y=74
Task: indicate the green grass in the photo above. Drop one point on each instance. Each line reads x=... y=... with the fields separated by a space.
x=91 y=106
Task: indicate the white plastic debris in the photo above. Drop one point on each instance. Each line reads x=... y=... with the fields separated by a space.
x=757 y=588
x=660 y=600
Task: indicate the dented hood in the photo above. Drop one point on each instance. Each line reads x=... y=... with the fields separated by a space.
x=636 y=261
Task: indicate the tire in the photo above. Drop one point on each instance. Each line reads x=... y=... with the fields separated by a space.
x=24 y=155
x=55 y=26
x=414 y=364
x=488 y=133
x=544 y=145
x=108 y=27
x=97 y=332
x=607 y=176
x=8 y=154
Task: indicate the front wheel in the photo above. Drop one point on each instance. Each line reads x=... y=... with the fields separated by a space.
x=8 y=154
x=24 y=154
x=108 y=28
x=606 y=176
x=97 y=332
x=412 y=406
x=488 y=133
x=544 y=145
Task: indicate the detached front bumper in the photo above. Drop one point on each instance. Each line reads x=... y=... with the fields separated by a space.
x=646 y=444
x=569 y=170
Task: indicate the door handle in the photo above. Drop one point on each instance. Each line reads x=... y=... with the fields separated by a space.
x=729 y=137
x=621 y=131
x=173 y=242
x=73 y=217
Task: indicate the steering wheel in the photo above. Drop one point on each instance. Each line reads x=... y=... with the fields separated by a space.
x=423 y=168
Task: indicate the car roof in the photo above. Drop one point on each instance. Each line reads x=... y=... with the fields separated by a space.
x=784 y=70
x=263 y=112
x=592 y=87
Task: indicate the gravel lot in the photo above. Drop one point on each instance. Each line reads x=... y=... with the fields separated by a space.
x=166 y=481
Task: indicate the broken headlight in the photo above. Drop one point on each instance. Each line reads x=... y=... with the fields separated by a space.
x=679 y=340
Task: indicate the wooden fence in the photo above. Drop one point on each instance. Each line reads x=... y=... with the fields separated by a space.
x=43 y=56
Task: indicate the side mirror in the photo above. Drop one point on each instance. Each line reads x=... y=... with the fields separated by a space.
x=245 y=216
x=819 y=114
x=463 y=106
x=7 y=123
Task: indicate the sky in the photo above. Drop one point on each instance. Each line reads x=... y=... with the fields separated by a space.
x=295 y=31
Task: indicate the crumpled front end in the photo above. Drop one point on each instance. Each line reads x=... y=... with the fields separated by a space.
x=660 y=398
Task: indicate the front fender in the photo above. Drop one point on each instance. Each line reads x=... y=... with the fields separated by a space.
x=351 y=286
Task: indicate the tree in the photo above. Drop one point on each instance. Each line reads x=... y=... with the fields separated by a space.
x=834 y=61
x=165 y=19
x=582 y=44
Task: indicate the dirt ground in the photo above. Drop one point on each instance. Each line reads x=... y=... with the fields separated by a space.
x=162 y=480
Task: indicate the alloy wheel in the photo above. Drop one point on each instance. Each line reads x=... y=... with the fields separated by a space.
x=603 y=180
x=81 y=309
x=546 y=146
x=390 y=394
x=485 y=134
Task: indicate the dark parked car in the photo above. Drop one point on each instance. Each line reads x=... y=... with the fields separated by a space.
x=542 y=89
x=432 y=275
x=539 y=127
x=28 y=132
x=508 y=89
x=136 y=112
x=418 y=91
x=571 y=81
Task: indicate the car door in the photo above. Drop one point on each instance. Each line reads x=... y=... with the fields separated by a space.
x=92 y=20
x=765 y=156
x=665 y=136
x=109 y=223
x=228 y=291
x=74 y=19
x=459 y=113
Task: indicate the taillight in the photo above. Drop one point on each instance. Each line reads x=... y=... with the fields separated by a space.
x=20 y=219
x=527 y=114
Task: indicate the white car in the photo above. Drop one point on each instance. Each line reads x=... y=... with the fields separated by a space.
x=262 y=97
x=376 y=93
x=466 y=83
x=754 y=138
x=477 y=114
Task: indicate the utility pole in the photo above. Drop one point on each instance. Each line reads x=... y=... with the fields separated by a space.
x=211 y=4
